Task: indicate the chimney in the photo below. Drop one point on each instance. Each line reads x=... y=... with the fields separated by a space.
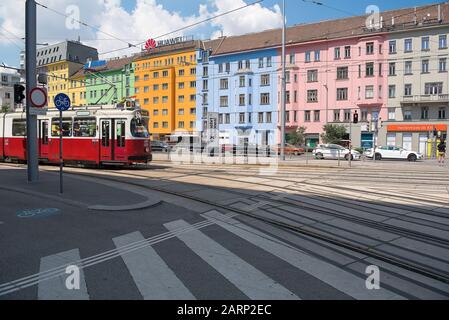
x=392 y=21
x=439 y=13
x=415 y=19
x=381 y=22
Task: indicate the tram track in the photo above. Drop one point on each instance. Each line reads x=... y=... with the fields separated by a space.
x=307 y=230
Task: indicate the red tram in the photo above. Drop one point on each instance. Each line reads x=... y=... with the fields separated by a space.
x=93 y=135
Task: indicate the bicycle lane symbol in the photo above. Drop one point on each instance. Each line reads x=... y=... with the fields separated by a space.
x=38 y=213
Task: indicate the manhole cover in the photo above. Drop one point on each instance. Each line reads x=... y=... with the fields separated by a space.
x=38 y=213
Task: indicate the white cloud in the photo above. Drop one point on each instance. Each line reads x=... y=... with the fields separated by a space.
x=148 y=19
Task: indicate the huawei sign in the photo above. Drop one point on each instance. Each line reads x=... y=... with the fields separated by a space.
x=150 y=44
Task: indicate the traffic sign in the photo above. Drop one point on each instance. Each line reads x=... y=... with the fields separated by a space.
x=38 y=97
x=62 y=102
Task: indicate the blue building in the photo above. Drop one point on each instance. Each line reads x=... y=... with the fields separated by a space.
x=238 y=93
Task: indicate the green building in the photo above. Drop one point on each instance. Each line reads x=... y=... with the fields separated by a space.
x=109 y=81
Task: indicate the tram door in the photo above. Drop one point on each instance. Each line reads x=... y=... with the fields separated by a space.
x=107 y=143
x=120 y=139
x=43 y=139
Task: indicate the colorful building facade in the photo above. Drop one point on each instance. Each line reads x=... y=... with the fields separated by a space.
x=110 y=82
x=165 y=85
x=239 y=94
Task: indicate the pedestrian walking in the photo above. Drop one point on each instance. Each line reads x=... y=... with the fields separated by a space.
x=441 y=152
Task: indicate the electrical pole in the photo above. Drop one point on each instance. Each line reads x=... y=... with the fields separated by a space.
x=283 y=90
x=30 y=68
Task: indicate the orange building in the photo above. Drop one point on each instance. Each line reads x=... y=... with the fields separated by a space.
x=165 y=85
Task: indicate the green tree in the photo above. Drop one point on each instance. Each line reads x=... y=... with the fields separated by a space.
x=4 y=108
x=298 y=137
x=334 y=133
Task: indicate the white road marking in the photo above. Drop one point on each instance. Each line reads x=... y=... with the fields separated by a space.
x=334 y=276
x=154 y=279
x=55 y=288
x=244 y=276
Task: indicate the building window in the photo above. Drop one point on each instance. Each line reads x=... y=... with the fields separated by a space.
x=433 y=88
x=165 y=73
x=269 y=62
x=180 y=85
x=181 y=124
x=370 y=48
x=391 y=91
x=292 y=58
x=425 y=45
x=227 y=118
x=392 y=69
x=193 y=71
x=287 y=77
x=408 y=45
x=342 y=94
x=264 y=98
x=260 y=117
x=181 y=112
x=165 y=112
x=424 y=113
x=312 y=95
x=407 y=90
x=342 y=73
x=156 y=125
x=316 y=116
x=347 y=114
x=248 y=64
x=241 y=117
x=308 y=56
x=408 y=67
x=155 y=100
x=265 y=80
x=407 y=114
x=369 y=92
x=317 y=55
x=392 y=47
x=391 y=113
x=425 y=66
x=165 y=124
x=223 y=101
x=242 y=81
x=364 y=115
x=224 y=84
x=307 y=116
x=241 y=100
x=442 y=113
x=370 y=69
x=442 y=41
x=260 y=62
x=192 y=84
x=205 y=71
x=347 y=52
x=312 y=75
x=268 y=117
x=337 y=53
x=181 y=98
x=220 y=69
x=336 y=115
x=442 y=65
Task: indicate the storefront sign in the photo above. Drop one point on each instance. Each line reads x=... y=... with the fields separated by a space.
x=416 y=127
x=168 y=42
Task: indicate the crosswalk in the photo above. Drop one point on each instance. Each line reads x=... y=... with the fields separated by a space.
x=156 y=278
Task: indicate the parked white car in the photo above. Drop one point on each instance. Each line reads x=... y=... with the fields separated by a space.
x=391 y=152
x=334 y=151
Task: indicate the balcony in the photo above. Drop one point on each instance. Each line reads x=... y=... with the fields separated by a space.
x=426 y=98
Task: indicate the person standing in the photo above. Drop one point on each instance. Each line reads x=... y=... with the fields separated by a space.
x=441 y=152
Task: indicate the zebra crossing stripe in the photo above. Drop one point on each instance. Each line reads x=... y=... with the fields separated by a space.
x=55 y=288
x=244 y=276
x=334 y=276
x=154 y=279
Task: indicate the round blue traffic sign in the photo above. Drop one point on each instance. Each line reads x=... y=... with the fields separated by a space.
x=62 y=102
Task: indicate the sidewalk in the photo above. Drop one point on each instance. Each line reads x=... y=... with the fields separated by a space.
x=86 y=193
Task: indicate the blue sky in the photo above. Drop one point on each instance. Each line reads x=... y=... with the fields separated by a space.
x=297 y=12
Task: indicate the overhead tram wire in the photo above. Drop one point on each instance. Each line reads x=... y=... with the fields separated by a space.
x=190 y=26
x=86 y=25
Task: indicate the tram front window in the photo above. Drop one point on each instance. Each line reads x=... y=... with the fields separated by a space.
x=139 y=128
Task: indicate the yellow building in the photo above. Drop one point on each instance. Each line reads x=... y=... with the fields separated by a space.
x=165 y=85
x=61 y=61
x=77 y=88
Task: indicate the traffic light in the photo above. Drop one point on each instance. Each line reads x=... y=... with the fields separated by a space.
x=356 y=118
x=18 y=93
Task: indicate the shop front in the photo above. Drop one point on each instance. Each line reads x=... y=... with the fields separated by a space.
x=422 y=138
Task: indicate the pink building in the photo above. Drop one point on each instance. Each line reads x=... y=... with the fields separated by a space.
x=329 y=80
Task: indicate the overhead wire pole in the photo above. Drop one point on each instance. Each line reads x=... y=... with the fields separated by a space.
x=283 y=84
x=30 y=68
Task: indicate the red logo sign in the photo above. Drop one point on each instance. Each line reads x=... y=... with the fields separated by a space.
x=150 y=44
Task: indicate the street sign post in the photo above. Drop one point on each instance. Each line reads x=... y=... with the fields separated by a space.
x=38 y=98
x=62 y=103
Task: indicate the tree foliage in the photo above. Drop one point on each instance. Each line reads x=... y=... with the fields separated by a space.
x=334 y=134
x=298 y=137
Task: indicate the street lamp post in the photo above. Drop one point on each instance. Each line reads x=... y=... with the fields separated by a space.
x=283 y=90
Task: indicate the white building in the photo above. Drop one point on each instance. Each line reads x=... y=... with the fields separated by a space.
x=8 y=78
